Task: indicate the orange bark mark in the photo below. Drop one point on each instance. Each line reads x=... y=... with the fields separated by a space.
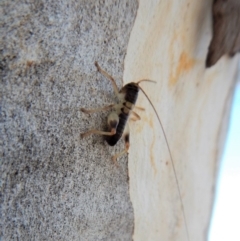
x=152 y=157
x=185 y=63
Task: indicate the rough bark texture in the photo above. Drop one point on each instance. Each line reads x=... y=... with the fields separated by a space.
x=226 y=30
x=54 y=185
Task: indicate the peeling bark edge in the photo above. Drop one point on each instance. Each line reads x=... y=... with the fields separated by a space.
x=226 y=31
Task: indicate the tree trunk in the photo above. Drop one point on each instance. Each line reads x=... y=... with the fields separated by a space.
x=57 y=186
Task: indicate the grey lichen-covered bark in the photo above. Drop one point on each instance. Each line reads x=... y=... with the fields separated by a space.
x=54 y=185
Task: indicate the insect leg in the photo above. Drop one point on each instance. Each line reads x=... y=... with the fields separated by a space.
x=130 y=109
x=126 y=136
x=139 y=108
x=105 y=133
x=136 y=115
x=97 y=109
x=103 y=72
x=113 y=121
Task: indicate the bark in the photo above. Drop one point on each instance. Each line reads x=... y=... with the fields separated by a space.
x=57 y=186
x=226 y=30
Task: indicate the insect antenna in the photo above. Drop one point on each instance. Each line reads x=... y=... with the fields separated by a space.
x=147 y=80
x=173 y=166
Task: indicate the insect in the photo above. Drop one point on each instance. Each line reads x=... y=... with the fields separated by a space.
x=118 y=120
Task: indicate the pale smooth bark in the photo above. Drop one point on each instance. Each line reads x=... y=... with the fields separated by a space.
x=169 y=44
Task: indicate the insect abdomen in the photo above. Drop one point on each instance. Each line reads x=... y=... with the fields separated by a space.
x=112 y=140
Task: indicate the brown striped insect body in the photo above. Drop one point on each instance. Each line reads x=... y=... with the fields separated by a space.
x=128 y=94
x=117 y=121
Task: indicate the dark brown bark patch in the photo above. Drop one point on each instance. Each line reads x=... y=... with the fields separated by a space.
x=226 y=30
